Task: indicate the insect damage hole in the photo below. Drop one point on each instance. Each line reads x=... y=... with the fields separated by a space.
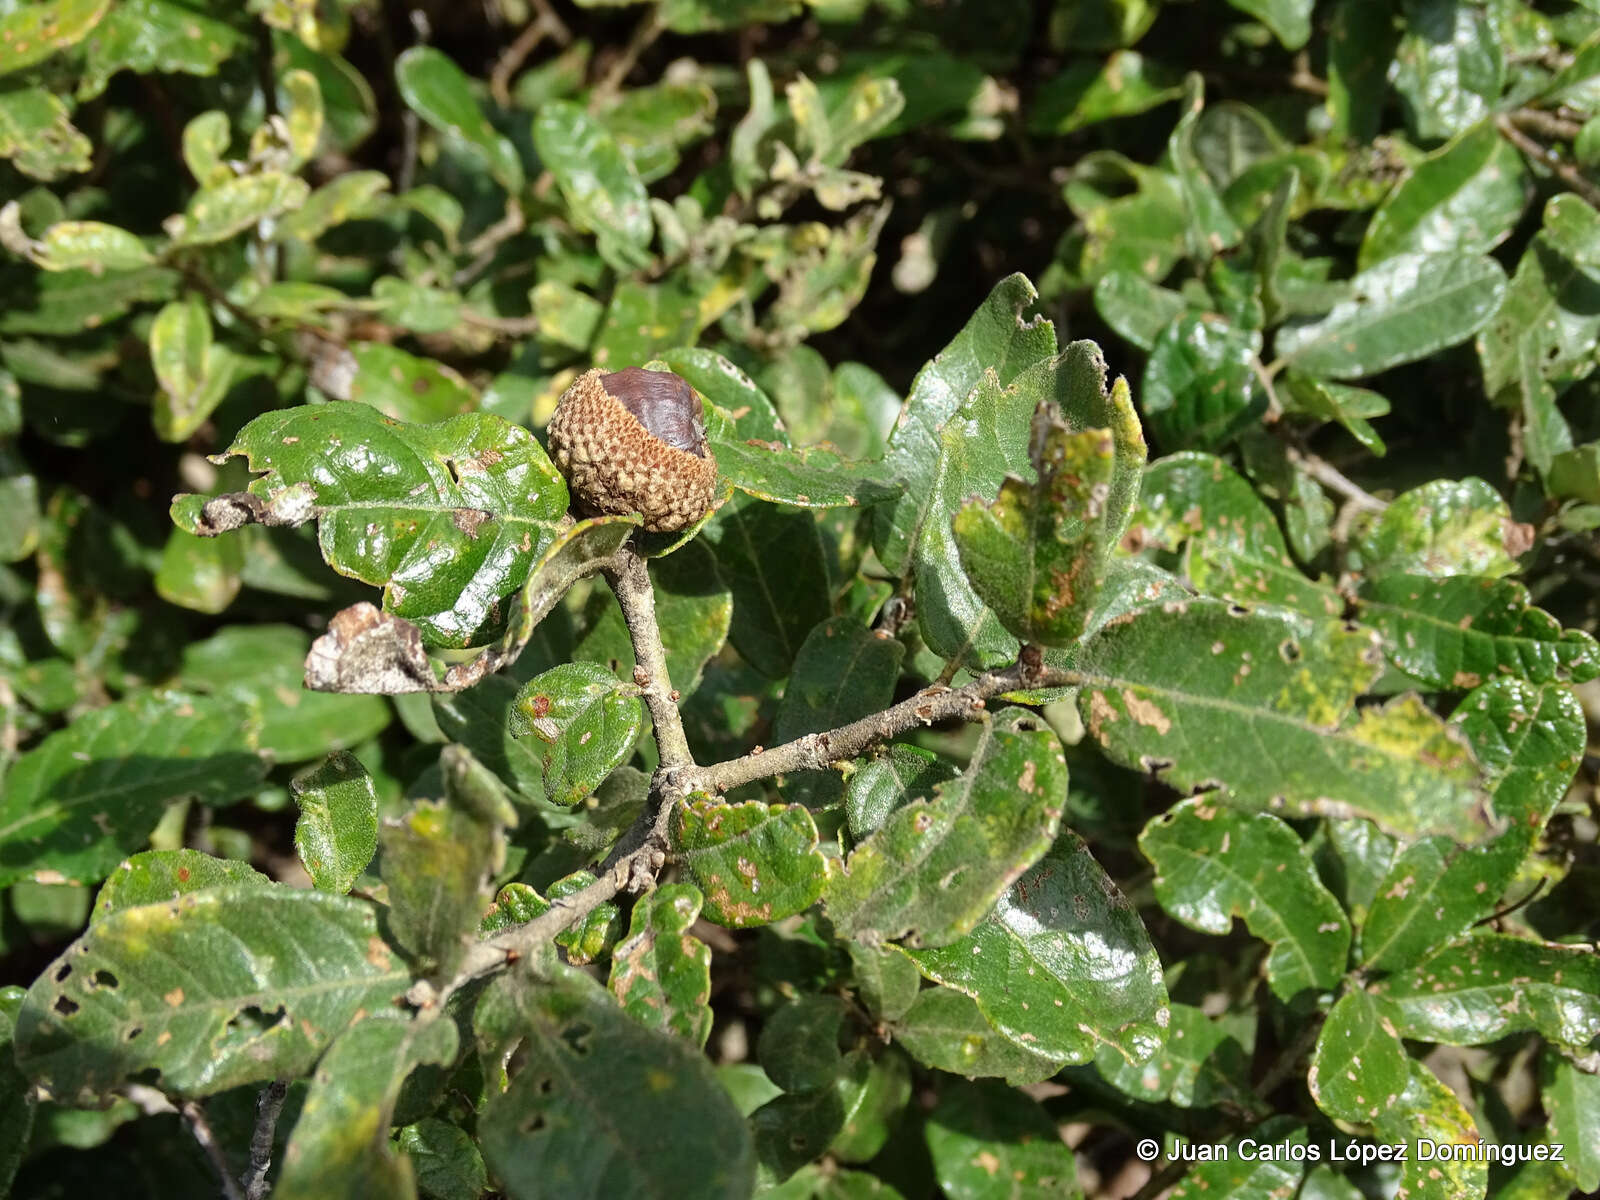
x=64 y=1006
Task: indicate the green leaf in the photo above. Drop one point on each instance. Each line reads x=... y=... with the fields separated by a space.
x=1086 y=93
x=1349 y=406
x=816 y=477
x=602 y=190
x=346 y=198
x=983 y=1133
x=193 y=372
x=161 y=876
x=946 y=1030
x=447 y=518
x=340 y=1144
x=1463 y=198
x=998 y=337
x=1427 y=1112
x=37 y=134
x=233 y=206
x=213 y=990
x=581 y=722
x=1214 y=864
x=19 y=507
x=756 y=863
x=75 y=804
x=1289 y=20
x=633 y=1111
x=1361 y=43
x=1539 y=341
x=1200 y=384
x=1448 y=68
x=706 y=16
x=844 y=672
x=936 y=867
x=1407 y=307
x=1529 y=740
x=584 y=941
x=1232 y=544
x=479 y=718
x=1136 y=308
x=33 y=33
x=406 y=387
x=1360 y=1066
x=1203 y=1063
x=1173 y=689
x=1572 y=1102
x=91 y=246
x=437 y=861
x=260 y=666
x=1063 y=964
x=1242 y=1175
x=1493 y=984
x=156 y=36
x=17 y=1103
x=886 y=980
x=1037 y=554
x=337 y=833
x=440 y=93
x=1210 y=228
x=771 y=559
x=200 y=574
x=661 y=974
x=1459 y=631
x=445 y=1159
x=891 y=780
x=1445 y=527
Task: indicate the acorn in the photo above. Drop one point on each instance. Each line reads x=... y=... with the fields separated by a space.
x=634 y=441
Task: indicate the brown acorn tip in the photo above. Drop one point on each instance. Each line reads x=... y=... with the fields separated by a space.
x=634 y=441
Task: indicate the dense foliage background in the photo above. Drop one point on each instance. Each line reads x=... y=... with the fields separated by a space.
x=1056 y=676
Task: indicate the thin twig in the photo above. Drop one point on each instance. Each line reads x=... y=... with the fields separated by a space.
x=1335 y=480
x=195 y=1118
x=818 y=750
x=630 y=581
x=1546 y=124
x=650 y=27
x=514 y=55
x=484 y=247
x=1567 y=172
x=268 y=1105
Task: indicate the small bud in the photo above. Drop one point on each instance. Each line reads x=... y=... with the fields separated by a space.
x=635 y=441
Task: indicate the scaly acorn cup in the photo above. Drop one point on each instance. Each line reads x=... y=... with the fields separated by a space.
x=635 y=441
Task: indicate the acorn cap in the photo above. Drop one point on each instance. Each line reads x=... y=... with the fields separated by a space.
x=635 y=441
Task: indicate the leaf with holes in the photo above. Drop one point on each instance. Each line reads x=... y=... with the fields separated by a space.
x=935 y=867
x=1174 y=690
x=447 y=518
x=1459 y=631
x=635 y=1112
x=1214 y=863
x=215 y=989
x=1203 y=1063
x=75 y=804
x=1427 y=1111
x=1230 y=541
x=661 y=973
x=1062 y=965
x=756 y=863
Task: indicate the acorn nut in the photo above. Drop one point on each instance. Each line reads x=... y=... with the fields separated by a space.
x=635 y=441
